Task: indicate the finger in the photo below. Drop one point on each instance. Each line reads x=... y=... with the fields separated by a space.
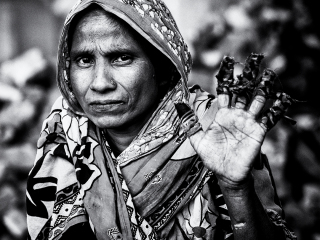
x=276 y=112
x=225 y=74
x=225 y=79
x=252 y=65
x=266 y=83
x=241 y=102
x=247 y=81
x=195 y=138
x=257 y=105
x=224 y=100
x=263 y=123
x=269 y=120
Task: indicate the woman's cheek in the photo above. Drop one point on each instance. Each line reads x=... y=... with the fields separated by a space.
x=80 y=82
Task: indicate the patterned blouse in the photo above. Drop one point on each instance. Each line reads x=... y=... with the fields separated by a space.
x=157 y=188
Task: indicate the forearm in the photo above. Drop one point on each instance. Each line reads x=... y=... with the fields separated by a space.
x=248 y=218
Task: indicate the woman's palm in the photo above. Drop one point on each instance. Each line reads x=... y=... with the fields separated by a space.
x=230 y=144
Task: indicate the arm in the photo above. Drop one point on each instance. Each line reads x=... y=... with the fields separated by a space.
x=248 y=191
x=249 y=219
x=228 y=146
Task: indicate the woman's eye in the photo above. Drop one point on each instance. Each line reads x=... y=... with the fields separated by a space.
x=84 y=61
x=123 y=59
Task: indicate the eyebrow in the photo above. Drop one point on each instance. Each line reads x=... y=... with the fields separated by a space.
x=83 y=51
x=113 y=51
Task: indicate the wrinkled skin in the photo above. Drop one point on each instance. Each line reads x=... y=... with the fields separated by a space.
x=111 y=75
x=232 y=141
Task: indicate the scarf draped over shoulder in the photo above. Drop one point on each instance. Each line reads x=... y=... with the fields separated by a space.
x=157 y=188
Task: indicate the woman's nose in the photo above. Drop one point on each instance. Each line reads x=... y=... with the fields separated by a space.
x=103 y=78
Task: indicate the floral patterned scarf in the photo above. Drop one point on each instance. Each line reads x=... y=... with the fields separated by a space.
x=157 y=188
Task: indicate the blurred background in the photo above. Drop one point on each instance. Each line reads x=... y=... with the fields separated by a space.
x=286 y=31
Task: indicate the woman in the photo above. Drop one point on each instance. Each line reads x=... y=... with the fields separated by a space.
x=122 y=156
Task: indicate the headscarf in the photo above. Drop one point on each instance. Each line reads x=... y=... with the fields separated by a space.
x=151 y=19
x=157 y=188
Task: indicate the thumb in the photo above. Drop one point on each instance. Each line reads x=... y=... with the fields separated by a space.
x=195 y=138
x=190 y=124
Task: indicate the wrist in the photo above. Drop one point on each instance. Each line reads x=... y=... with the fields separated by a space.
x=236 y=189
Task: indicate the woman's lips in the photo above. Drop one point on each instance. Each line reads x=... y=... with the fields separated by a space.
x=106 y=105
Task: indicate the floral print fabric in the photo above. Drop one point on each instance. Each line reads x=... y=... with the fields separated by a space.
x=158 y=187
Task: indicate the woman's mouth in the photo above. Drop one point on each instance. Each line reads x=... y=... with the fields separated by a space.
x=105 y=105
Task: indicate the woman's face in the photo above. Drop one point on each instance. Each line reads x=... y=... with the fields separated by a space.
x=111 y=75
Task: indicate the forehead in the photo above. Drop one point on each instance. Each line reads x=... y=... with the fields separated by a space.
x=98 y=29
x=95 y=21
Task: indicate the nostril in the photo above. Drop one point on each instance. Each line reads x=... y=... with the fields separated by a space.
x=113 y=82
x=102 y=84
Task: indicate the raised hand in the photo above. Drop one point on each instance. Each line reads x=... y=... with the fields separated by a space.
x=233 y=140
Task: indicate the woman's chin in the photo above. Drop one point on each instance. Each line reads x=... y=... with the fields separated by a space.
x=108 y=122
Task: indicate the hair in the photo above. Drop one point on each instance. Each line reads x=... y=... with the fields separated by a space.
x=165 y=72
